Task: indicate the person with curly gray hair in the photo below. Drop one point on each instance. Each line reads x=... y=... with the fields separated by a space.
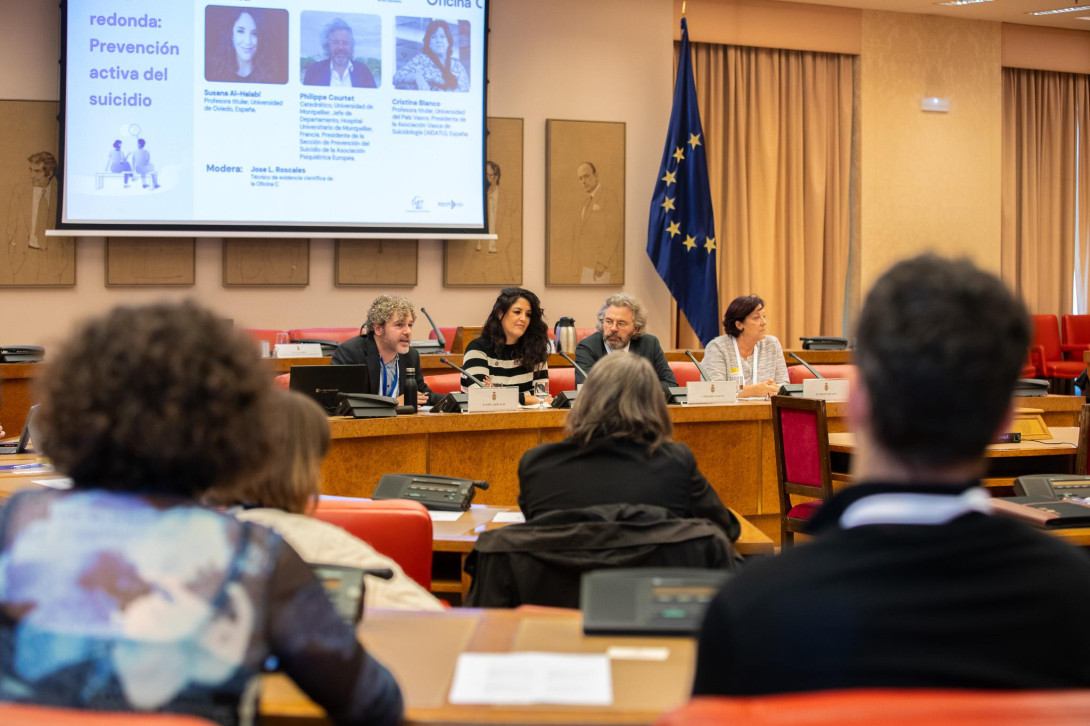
x=339 y=68
x=384 y=345
x=621 y=326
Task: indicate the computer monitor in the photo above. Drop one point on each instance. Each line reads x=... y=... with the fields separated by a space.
x=325 y=383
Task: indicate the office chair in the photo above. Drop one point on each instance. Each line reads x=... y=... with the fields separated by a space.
x=397 y=528
x=1047 y=353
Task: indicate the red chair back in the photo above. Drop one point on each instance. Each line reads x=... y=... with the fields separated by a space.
x=801 y=436
x=1076 y=330
x=801 y=447
x=448 y=336
x=1046 y=335
x=896 y=707
x=798 y=374
x=561 y=379
x=337 y=335
x=397 y=528
x=684 y=371
x=444 y=382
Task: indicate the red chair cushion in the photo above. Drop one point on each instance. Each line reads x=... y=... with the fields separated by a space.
x=684 y=371
x=397 y=528
x=444 y=382
x=1028 y=371
x=448 y=336
x=338 y=335
x=798 y=374
x=1064 y=368
x=806 y=510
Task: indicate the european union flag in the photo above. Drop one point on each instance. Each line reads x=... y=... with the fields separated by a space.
x=681 y=232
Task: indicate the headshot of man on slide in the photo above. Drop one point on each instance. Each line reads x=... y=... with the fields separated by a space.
x=339 y=67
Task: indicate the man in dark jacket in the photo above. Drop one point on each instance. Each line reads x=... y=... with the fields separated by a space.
x=621 y=323
x=911 y=581
x=386 y=349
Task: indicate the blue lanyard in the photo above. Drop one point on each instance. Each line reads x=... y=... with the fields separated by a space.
x=391 y=389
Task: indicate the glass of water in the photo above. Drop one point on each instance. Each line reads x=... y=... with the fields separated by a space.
x=541 y=390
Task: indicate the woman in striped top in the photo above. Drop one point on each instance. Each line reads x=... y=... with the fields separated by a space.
x=513 y=349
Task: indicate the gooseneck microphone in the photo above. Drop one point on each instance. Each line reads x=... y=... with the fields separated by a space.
x=582 y=372
x=438 y=333
x=807 y=365
x=463 y=371
x=703 y=373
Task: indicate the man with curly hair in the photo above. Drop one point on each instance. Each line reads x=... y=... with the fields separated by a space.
x=384 y=345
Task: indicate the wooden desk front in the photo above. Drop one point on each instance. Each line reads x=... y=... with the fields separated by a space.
x=421 y=650
x=733 y=446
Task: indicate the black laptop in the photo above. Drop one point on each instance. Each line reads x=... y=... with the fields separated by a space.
x=25 y=443
x=325 y=383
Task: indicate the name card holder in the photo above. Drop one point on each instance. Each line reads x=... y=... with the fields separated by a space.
x=703 y=393
x=297 y=350
x=827 y=389
x=493 y=399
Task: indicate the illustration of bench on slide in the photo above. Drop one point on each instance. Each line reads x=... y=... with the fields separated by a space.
x=101 y=176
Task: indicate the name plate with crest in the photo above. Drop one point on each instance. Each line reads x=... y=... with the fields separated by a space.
x=829 y=389
x=702 y=393
x=493 y=399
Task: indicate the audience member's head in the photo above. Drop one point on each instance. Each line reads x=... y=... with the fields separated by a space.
x=165 y=398
x=939 y=347
x=621 y=399
x=298 y=432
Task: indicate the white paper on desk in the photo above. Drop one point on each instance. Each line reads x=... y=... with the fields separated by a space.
x=565 y=679
x=58 y=483
x=444 y=516
x=509 y=518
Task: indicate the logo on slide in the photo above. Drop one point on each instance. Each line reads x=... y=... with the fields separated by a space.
x=418 y=204
x=452 y=204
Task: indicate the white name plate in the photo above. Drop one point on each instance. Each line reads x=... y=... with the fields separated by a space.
x=706 y=392
x=493 y=399
x=297 y=350
x=829 y=389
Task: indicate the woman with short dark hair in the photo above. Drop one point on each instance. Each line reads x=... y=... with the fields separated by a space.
x=124 y=593
x=619 y=450
x=746 y=349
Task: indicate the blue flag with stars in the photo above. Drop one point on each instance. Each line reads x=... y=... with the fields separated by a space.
x=681 y=232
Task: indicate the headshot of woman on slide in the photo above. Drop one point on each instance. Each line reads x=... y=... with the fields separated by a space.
x=242 y=58
x=434 y=68
x=747 y=349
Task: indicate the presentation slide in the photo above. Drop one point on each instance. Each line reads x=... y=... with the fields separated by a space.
x=316 y=114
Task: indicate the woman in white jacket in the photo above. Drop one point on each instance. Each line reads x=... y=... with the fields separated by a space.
x=289 y=485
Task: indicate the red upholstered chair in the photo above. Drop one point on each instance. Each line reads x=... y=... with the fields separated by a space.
x=798 y=374
x=684 y=371
x=802 y=461
x=444 y=382
x=890 y=707
x=561 y=379
x=283 y=380
x=1047 y=353
x=397 y=528
x=265 y=334
x=20 y=714
x=1076 y=335
x=337 y=335
x=448 y=336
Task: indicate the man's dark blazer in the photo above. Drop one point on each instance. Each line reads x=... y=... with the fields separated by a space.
x=593 y=347
x=563 y=475
x=319 y=72
x=362 y=350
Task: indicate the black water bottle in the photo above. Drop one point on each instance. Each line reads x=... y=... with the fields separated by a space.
x=409 y=389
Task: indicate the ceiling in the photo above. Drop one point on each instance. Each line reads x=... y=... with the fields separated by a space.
x=1007 y=11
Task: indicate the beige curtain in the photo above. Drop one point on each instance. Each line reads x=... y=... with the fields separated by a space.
x=1046 y=188
x=778 y=126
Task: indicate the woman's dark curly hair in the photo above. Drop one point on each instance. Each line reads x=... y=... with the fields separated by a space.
x=532 y=349
x=163 y=399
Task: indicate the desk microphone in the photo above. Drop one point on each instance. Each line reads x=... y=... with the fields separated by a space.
x=564 y=355
x=807 y=365
x=463 y=371
x=438 y=333
x=703 y=373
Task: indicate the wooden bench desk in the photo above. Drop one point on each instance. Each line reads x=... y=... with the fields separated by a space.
x=421 y=650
